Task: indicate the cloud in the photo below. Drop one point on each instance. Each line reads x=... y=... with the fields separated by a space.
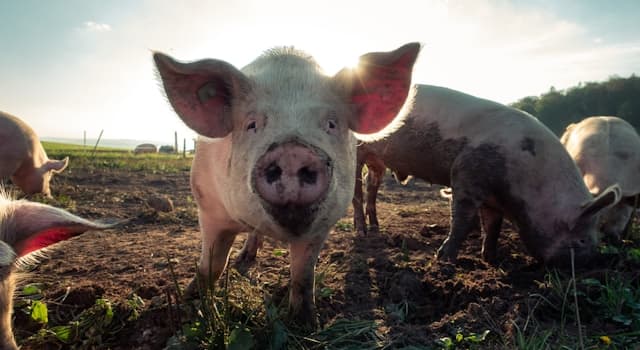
x=96 y=27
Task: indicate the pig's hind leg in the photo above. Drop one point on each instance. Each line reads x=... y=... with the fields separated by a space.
x=247 y=255
x=491 y=225
x=375 y=174
x=472 y=181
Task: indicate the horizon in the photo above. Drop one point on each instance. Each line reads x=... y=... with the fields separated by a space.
x=66 y=72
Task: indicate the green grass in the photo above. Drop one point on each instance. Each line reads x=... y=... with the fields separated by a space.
x=597 y=309
x=114 y=158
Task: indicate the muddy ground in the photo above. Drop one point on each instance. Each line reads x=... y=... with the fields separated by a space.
x=388 y=276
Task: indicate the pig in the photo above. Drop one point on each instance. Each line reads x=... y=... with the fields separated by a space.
x=607 y=151
x=25 y=228
x=276 y=152
x=499 y=162
x=23 y=159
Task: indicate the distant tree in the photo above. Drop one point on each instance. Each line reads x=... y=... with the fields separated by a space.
x=557 y=108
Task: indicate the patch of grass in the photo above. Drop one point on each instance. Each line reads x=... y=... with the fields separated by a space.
x=97 y=326
x=594 y=310
x=113 y=158
x=460 y=340
x=344 y=225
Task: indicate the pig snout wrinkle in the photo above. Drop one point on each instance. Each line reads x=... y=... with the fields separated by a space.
x=292 y=179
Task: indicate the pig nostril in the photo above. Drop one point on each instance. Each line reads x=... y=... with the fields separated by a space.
x=273 y=173
x=307 y=176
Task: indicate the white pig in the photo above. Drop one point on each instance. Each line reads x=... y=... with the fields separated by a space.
x=26 y=227
x=278 y=152
x=23 y=159
x=607 y=151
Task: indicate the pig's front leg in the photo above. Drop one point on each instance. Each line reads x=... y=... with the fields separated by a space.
x=216 y=245
x=304 y=255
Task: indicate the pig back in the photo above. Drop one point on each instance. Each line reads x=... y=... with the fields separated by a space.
x=444 y=122
x=16 y=140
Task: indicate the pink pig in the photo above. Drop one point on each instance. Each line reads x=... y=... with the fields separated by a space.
x=23 y=159
x=278 y=153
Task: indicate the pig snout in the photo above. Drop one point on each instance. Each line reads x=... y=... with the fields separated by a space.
x=292 y=179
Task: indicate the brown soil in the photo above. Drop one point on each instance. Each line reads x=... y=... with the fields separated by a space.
x=371 y=277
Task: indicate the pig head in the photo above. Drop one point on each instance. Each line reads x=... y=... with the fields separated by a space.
x=277 y=152
x=26 y=227
x=607 y=152
x=23 y=159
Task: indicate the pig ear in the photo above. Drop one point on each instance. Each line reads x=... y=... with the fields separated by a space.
x=31 y=226
x=608 y=198
x=378 y=87
x=202 y=92
x=56 y=166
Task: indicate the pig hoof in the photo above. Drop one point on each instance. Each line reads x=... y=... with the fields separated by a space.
x=305 y=322
x=244 y=261
x=489 y=257
x=444 y=254
x=245 y=258
x=192 y=291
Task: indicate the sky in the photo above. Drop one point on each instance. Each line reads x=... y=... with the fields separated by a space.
x=70 y=66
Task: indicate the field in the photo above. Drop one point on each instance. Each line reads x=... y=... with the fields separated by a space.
x=122 y=288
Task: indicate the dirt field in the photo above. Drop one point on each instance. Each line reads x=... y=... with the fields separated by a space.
x=389 y=277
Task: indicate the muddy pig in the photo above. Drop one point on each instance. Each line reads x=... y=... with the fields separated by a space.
x=26 y=227
x=607 y=151
x=277 y=151
x=23 y=159
x=499 y=162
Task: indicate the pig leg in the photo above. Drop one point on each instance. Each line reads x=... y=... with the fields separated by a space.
x=6 y=304
x=304 y=255
x=463 y=221
x=491 y=225
x=216 y=246
x=471 y=183
x=247 y=255
x=359 y=221
x=375 y=173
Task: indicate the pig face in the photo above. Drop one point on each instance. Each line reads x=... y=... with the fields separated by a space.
x=292 y=150
x=581 y=234
x=36 y=180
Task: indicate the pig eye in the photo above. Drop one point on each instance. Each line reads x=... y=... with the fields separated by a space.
x=331 y=126
x=251 y=126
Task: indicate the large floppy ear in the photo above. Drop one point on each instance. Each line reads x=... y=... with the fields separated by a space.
x=28 y=226
x=202 y=92
x=378 y=87
x=608 y=198
x=57 y=166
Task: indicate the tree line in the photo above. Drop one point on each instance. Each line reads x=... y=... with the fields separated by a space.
x=617 y=96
